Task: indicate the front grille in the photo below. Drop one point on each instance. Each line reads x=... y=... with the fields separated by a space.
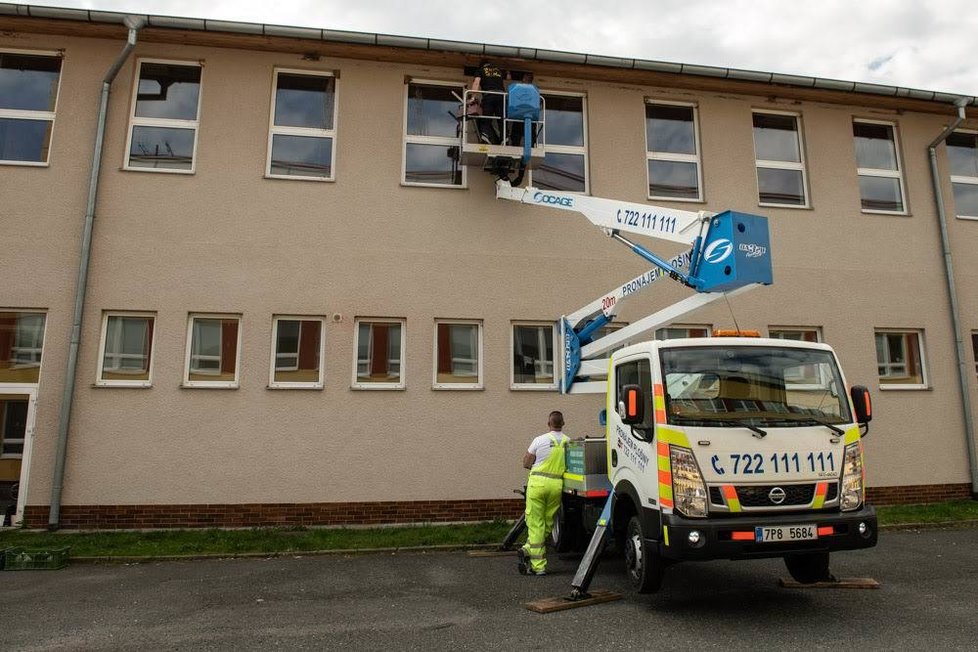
x=716 y=496
x=832 y=493
x=759 y=496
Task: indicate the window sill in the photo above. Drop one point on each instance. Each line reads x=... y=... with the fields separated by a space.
x=462 y=387
x=379 y=387
x=532 y=388
x=27 y=164
x=123 y=385
x=805 y=207
x=318 y=388
x=899 y=388
x=11 y=457
x=680 y=200
x=967 y=217
x=203 y=385
x=277 y=177
x=405 y=184
x=158 y=171
x=865 y=211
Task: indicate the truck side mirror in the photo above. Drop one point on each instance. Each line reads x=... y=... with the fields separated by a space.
x=631 y=407
x=862 y=403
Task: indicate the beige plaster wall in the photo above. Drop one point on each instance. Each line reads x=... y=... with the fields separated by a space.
x=227 y=240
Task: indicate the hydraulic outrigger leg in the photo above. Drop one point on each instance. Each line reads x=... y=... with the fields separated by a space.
x=589 y=563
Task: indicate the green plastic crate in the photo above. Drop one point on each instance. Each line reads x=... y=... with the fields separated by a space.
x=27 y=559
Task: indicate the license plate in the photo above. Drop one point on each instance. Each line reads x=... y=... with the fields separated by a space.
x=785 y=533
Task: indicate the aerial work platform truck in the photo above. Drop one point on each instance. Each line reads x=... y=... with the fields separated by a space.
x=727 y=447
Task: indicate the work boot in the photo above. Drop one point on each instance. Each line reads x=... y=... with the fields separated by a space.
x=523 y=562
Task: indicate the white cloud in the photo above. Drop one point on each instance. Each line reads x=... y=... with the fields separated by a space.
x=908 y=43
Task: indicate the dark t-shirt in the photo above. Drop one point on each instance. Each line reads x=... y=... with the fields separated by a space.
x=490 y=77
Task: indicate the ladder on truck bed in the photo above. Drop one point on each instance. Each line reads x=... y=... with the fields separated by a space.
x=729 y=254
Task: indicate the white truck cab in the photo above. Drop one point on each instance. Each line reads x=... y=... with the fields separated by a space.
x=734 y=448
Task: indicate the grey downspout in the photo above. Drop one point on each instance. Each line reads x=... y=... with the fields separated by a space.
x=81 y=285
x=963 y=373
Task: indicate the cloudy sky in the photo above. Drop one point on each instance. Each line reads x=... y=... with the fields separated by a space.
x=919 y=44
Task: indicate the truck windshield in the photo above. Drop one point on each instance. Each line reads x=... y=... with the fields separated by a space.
x=753 y=385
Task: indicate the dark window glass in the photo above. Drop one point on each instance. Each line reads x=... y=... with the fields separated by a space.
x=637 y=373
x=162 y=147
x=966 y=199
x=168 y=91
x=776 y=138
x=13 y=428
x=560 y=172
x=564 y=120
x=875 y=146
x=778 y=186
x=24 y=140
x=379 y=352
x=962 y=153
x=880 y=193
x=28 y=83
x=431 y=111
x=974 y=349
x=297 y=349
x=431 y=164
x=673 y=179
x=670 y=129
x=533 y=354
x=303 y=156
x=21 y=345
x=304 y=101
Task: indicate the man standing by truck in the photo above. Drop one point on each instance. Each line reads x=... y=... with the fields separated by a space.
x=545 y=459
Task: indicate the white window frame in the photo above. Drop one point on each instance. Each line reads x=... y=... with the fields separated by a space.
x=696 y=158
x=686 y=327
x=103 y=341
x=569 y=149
x=924 y=377
x=318 y=384
x=309 y=132
x=163 y=122
x=479 y=384
x=35 y=352
x=823 y=380
x=539 y=387
x=215 y=384
x=8 y=440
x=428 y=140
x=50 y=116
x=970 y=181
x=783 y=165
x=355 y=383
x=889 y=174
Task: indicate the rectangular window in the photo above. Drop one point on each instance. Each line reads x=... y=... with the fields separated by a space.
x=878 y=167
x=458 y=355
x=672 y=150
x=127 y=350
x=213 y=351
x=900 y=360
x=962 y=154
x=974 y=349
x=28 y=99
x=564 y=165
x=13 y=426
x=431 y=135
x=303 y=126
x=780 y=160
x=678 y=332
x=803 y=376
x=638 y=372
x=533 y=356
x=165 y=117
x=297 y=352
x=379 y=354
x=21 y=345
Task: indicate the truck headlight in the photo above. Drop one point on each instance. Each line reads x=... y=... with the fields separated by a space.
x=688 y=488
x=852 y=477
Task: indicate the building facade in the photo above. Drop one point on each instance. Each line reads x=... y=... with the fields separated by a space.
x=300 y=309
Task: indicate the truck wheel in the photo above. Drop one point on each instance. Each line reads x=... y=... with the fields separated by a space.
x=809 y=568
x=642 y=561
x=566 y=531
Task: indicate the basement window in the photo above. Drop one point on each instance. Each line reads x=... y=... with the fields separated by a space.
x=900 y=359
x=458 y=355
x=297 y=353
x=21 y=345
x=213 y=351
x=303 y=126
x=126 y=355
x=28 y=98
x=378 y=352
x=533 y=356
x=165 y=117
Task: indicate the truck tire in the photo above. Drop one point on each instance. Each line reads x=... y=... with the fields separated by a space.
x=809 y=568
x=566 y=533
x=642 y=561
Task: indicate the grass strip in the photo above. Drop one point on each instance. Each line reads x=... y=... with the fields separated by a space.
x=170 y=543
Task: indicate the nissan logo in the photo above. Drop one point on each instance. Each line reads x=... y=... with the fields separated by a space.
x=776 y=495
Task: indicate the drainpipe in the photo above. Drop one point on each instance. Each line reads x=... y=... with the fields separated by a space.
x=963 y=372
x=81 y=286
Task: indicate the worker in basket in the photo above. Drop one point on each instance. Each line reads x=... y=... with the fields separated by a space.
x=489 y=77
x=545 y=460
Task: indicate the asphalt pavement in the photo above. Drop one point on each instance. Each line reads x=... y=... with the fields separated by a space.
x=448 y=600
